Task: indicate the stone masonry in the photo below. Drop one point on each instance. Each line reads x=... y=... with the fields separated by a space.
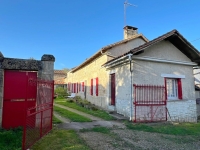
x=45 y=69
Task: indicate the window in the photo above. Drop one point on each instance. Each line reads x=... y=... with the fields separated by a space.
x=173 y=88
x=81 y=87
x=94 y=87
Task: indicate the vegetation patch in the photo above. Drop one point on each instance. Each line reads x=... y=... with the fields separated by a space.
x=70 y=115
x=83 y=105
x=173 y=129
x=61 y=139
x=60 y=92
x=11 y=139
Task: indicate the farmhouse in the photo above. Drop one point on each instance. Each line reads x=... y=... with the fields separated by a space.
x=59 y=78
x=161 y=71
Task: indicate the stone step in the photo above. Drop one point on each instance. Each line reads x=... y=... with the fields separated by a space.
x=118 y=116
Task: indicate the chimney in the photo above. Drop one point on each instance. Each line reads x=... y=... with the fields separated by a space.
x=129 y=31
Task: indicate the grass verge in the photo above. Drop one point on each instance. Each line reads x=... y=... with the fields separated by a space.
x=11 y=139
x=98 y=113
x=61 y=139
x=70 y=115
x=56 y=120
x=177 y=129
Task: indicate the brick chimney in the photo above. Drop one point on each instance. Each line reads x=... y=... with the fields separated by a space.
x=129 y=31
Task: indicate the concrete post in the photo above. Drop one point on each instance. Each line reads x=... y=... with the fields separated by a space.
x=47 y=71
x=1 y=88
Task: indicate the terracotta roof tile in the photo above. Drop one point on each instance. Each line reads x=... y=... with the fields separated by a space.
x=59 y=81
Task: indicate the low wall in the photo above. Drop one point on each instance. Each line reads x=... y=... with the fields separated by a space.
x=182 y=110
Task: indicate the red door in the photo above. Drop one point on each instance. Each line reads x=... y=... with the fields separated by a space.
x=112 y=89
x=20 y=90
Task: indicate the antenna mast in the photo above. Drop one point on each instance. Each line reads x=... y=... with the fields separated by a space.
x=125 y=5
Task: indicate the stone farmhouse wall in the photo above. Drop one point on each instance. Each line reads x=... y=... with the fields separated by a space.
x=88 y=72
x=94 y=69
x=44 y=67
x=150 y=72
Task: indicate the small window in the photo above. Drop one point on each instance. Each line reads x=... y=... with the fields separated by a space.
x=94 y=87
x=173 y=88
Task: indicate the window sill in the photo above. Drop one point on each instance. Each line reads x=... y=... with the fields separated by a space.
x=175 y=100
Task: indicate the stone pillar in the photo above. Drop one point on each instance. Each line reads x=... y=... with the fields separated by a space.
x=47 y=70
x=1 y=87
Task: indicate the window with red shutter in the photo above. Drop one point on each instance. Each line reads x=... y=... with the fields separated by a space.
x=97 y=89
x=173 y=88
x=77 y=87
x=74 y=87
x=82 y=86
x=179 y=89
x=91 y=88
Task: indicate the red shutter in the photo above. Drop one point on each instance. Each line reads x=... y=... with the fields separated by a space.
x=97 y=90
x=74 y=87
x=77 y=88
x=165 y=88
x=91 y=89
x=83 y=86
x=179 y=89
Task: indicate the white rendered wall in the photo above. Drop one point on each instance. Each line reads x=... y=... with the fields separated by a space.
x=148 y=72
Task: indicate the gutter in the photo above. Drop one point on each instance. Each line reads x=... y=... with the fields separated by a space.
x=153 y=59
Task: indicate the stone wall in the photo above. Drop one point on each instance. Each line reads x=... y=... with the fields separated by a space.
x=92 y=70
x=45 y=69
x=149 y=72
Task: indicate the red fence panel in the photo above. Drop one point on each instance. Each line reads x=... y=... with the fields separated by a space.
x=150 y=103
x=39 y=118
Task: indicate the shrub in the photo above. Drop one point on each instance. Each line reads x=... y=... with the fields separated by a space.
x=61 y=92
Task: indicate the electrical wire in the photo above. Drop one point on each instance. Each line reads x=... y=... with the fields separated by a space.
x=195 y=40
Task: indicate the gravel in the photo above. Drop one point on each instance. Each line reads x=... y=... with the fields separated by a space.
x=125 y=139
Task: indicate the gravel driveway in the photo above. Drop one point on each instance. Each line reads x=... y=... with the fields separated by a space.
x=124 y=139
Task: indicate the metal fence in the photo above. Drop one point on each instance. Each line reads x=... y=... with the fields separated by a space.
x=39 y=118
x=149 y=103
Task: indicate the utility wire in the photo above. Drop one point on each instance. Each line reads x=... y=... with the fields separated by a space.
x=195 y=40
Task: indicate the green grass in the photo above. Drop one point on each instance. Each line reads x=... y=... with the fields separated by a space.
x=11 y=139
x=98 y=113
x=97 y=129
x=178 y=129
x=56 y=120
x=70 y=115
x=59 y=139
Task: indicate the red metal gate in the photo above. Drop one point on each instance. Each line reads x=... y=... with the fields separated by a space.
x=150 y=103
x=39 y=118
x=18 y=96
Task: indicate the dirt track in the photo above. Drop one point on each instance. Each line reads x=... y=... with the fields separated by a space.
x=124 y=139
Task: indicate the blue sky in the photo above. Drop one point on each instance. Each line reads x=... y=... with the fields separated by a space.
x=73 y=31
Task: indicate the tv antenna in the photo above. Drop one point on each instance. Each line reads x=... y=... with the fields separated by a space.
x=126 y=4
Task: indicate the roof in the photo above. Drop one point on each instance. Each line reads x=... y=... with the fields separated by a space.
x=176 y=39
x=104 y=49
x=59 y=81
x=60 y=72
